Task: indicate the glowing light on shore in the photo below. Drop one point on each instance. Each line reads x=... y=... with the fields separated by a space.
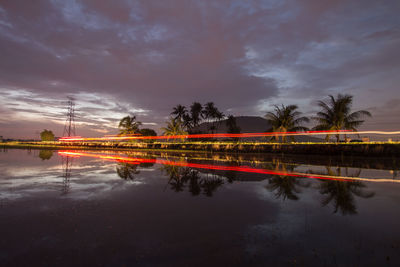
x=134 y=160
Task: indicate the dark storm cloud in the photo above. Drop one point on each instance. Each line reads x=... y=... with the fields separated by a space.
x=154 y=61
x=147 y=56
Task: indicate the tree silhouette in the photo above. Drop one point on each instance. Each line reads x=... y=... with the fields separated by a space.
x=127 y=171
x=285 y=186
x=284 y=119
x=196 y=113
x=180 y=176
x=174 y=127
x=147 y=132
x=179 y=111
x=210 y=185
x=231 y=125
x=341 y=193
x=336 y=115
x=208 y=113
x=175 y=174
x=129 y=125
x=47 y=135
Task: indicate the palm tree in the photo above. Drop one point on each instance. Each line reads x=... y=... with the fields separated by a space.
x=336 y=115
x=196 y=113
x=231 y=124
x=179 y=112
x=129 y=125
x=219 y=116
x=187 y=122
x=209 y=113
x=284 y=119
x=174 y=127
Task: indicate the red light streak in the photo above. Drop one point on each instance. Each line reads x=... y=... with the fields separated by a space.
x=132 y=160
x=216 y=135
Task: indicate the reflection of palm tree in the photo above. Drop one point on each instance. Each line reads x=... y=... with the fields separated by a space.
x=231 y=175
x=342 y=192
x=285 y=187
x=210 y=185
x=146 y=164
x=127 y=171
x=180 y=176
x=194 y=186
x=175 y=177
x=177 y=184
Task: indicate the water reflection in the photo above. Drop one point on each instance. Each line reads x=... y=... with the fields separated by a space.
x=341 y=194
x=284 y=186
x=127 y=171
x=45 y=154
x=195 y=182
x=338 y=192
x=66 y=163
x=265 y=209
x=201 y=175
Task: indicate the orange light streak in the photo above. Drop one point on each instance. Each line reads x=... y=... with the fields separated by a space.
x=216 y=135
x=246 y=169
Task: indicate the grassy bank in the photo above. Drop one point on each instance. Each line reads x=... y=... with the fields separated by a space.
x=361 y=149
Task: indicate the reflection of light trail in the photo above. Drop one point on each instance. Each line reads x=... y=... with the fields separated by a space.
x=247 y=169
x=222 y=135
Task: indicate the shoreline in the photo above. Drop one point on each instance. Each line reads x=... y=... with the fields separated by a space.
x=352 y=149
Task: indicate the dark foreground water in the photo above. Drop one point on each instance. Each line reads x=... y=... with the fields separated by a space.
x=99 y=208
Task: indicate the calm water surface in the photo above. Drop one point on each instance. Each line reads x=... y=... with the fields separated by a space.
x=108 y=208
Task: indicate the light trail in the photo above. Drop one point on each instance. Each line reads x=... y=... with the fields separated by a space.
x=222 y=135
x=189 y=136
x=246 y=169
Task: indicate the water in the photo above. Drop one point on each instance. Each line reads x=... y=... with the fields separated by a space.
x=111 y=208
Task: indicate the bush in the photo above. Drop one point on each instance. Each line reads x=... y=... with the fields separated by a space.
x=47 y=135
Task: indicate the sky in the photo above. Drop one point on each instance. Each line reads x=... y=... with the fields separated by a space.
x=117 y=58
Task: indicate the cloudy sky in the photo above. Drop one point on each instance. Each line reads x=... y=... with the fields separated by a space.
x=144 y=57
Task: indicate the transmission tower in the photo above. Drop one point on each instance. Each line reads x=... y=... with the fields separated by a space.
x=69 y=128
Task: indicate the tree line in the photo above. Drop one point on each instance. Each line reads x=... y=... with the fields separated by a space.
x=335 y=114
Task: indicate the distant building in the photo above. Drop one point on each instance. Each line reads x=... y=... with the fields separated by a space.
x=1 y=139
